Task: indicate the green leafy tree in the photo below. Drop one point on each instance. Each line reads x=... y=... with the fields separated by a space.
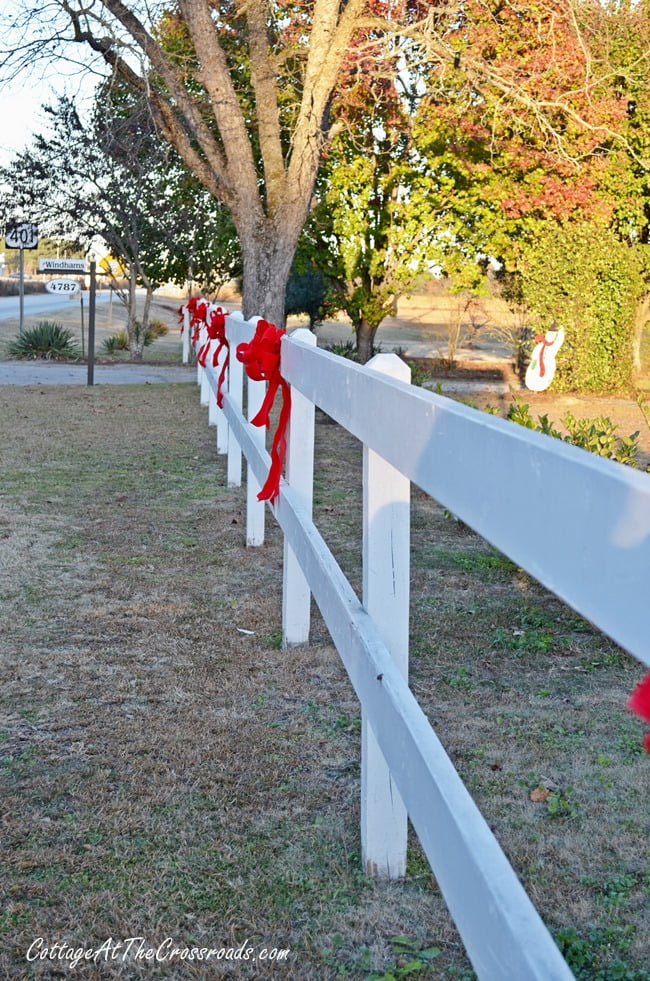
x=372 y=229
x=626 y=179
x=523 y=177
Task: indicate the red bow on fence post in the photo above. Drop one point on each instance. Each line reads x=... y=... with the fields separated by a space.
x=639 y=702
x=198 y=309
x=215 y=322
x=261 y=359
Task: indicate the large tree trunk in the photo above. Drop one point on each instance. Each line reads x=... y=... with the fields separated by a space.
x=267 y=254
x=365 y=339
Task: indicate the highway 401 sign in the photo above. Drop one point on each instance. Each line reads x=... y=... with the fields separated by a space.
x=21 y=235
x=66 y=286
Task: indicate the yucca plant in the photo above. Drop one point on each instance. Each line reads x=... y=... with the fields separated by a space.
x=156 y=329
x=119 y=341
x=46 y=340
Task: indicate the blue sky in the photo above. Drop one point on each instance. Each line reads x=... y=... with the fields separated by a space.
x=20 y=114
x=21 y=99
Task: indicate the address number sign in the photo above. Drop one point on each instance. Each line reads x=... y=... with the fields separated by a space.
x=65 y=286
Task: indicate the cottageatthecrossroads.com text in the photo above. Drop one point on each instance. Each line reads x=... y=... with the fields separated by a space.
x=137 y=949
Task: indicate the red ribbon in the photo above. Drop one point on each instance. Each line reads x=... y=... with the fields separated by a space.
x=639 y=702
x=261 y=359
x=198 y=309
x=216 y=325
x=181 y=318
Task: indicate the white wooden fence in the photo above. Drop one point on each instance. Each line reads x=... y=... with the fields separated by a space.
x=577 y=523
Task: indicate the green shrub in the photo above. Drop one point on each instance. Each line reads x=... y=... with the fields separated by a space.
x=119 y=341
x=156 y=329
x=583 y=278
x=596 y=435
x=47 y=340
x=308 y=291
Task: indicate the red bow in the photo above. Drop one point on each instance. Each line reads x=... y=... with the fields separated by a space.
x=181 y=318
x=639 y=702
x=198 y=309
x=216 y=325
x=261 y=359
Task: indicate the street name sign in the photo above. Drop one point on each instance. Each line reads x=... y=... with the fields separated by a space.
x=62 y=266
x=21 y=235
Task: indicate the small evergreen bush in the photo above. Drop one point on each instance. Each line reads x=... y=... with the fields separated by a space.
x=308 y=291
x=47 y=340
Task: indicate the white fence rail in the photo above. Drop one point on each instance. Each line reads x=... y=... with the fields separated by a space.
x=502 y=480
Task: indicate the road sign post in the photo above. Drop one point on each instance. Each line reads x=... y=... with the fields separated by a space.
x=91 y=323
x=21 y=293
x=21 y=235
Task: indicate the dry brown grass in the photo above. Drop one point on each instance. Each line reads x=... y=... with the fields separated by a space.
x=165 y=774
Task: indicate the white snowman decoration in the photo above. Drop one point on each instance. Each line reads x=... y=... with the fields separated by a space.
x=541 y=370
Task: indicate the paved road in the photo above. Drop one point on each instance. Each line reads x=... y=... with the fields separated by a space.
x=37 y=303
x=54 y=373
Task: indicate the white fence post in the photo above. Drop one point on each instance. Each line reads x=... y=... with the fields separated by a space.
x=299 y=470
x=255 y=510
x=201 y=373
x=197 y=346
x=386 y=576
x=205 y=389
x=213 y=408
x=221 y=439
x=186 y=335
x=235 y=392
